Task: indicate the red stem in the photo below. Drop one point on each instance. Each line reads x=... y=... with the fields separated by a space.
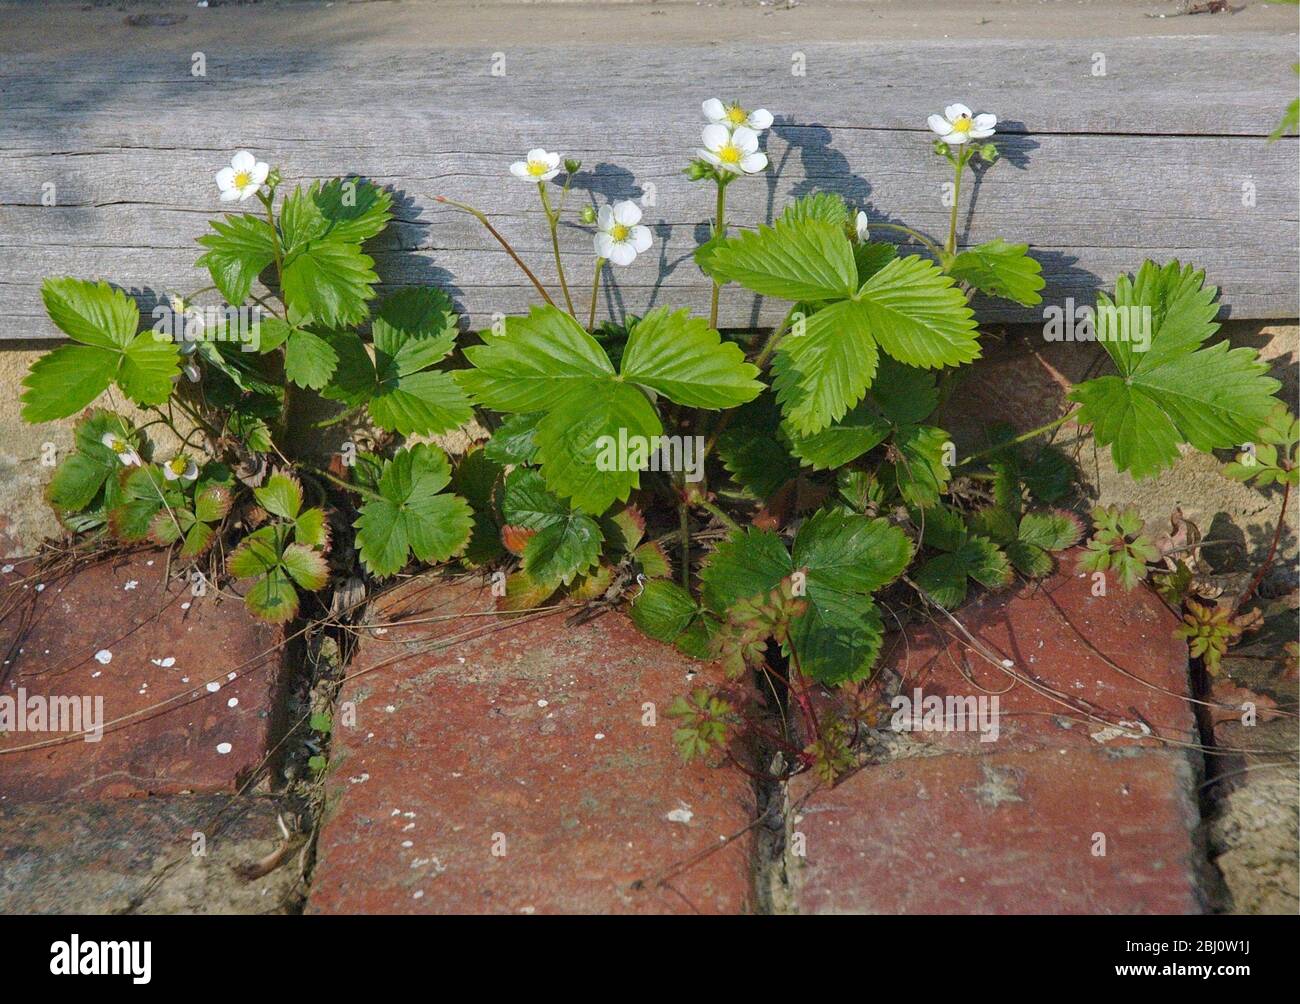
x=1272 y=550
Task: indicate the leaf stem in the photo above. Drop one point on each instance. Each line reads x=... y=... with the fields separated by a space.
x=595 y=293
x=349 y=486
x=1056 y=422
x=960 y=162
x=1272 y=550
x=714 y=511
x=552 y=221
x=684 y=533
x=921 y=238
x=482 y=218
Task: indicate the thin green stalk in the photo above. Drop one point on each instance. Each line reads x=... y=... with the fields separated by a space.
x=960 y=162
x=713 y=510
x=921 y=238
x=1056 y=422
x=552 y=221
x=719 y=228
x=359 y=489
x=684 y=533
x=595 y=293
x=482 y=218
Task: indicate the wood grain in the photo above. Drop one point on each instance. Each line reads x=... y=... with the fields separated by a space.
x=1157 y=159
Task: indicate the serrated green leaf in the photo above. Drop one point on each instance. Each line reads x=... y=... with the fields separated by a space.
x=823 y=372
x=850 y=553
x=918 y=315
x=255 y=555
x=280 y=496
x=83 y=474
x=838 y=638
x=578 y=444
x=920 y=473
x=1000 y=269
x=273 y=597
x=329 y=279
x=540 y=361
x=1176 y=391
x=905 y=395
x=410 y=517
x=477 y=479
x=566 y=543
x=663 y=610
x=825 y=207
x=684 y=359
x=796 y=259
x=1052 y=531
x=752 y=450
x=514 y=441
x=306 y=566
x=745 y=564
x=844 y=441
x=239 y=250
x=309 y=360
x=944 y=577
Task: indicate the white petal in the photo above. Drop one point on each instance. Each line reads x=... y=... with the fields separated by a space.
x=728 y=166
x=520 y=170
x=714 y=111
x=260 y=171
x=130 y=459
x=641 y=239
x=604 y=244
x=605 y=218
x=708 y=155
x=248 y=191
x=243 y=161
x=862 y=226
x=623 y=254
x=536 y=153
x=939 y=124
x=552 y=160
x=226 y=178
x=230 y=195
x=627 y=213
x=956 y=138
x=985 y=121
x=549 y=175
x=168 y=473
x=752 y=163
x=745 y=138
x=715 y=135
x=760 y=119
x=108 y=439
x=954 y=112
x=981 y=133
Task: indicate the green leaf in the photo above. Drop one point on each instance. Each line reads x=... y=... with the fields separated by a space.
x=104 y=320
x=905 y=395
x=541 y=360
x=1052 y=531
x=273 y=597
x=85 y=472
x=823 y=372
x=920 y=473
x=309 y=360
x=306 y=566
x=257 y=554
x=825 y=207
x=410 y=517
x=1000 y=269
x=329 y=279
x=237 y=253
x=846 y=440
x=577 y=444
x=943 y=578
x=514 y=442
x=280 y=496
x=1176 y=391
x=796 y=259
x=663 y=610
x=871 y=258
x=685 y=360
x=345 y=209
x=745 y=564
x=476 y=479
x=566 y=543
x=144 y=494
x=918 y=315
x=417 y=327
x=752 y=450
x=850 y=553
x=838 y=638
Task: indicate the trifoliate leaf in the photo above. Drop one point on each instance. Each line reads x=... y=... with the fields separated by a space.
x=1000 y=269
x=565 y=543
x=104 y=320
x=410 y=517
x=280 y=496
x=240 y=249
x=943 y=578
x=685 y=360
x=1176 y=391
x=85 y=472
x=796 y=259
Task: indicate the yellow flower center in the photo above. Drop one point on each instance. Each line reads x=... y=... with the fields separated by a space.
x=537 y=168
x=178 y=465
x=963 y=124
x=118 y=446
x=243 y=179
x=730 y=154
x=620 y=232
x=737 y=115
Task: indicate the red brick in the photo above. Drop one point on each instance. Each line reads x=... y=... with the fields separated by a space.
x=1115 y=656
x=50 y=638
x=530 y=729
x=1003 y=833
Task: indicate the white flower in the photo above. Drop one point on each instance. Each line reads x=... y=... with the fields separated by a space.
x=191 y=370
x=242 y=178
x=181 y=467
x=124 y=450
x=735 y=151
x=540 y=166
x=861 y=225
x=733 y=115
x=957 y=125
x=619 y=235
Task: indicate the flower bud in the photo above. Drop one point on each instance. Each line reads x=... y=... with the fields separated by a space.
x=697 y=170
x=572 y=165
x=587 y=215
x=989 y=152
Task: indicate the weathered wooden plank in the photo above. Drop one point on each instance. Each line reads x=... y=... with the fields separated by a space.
x=1155 y=159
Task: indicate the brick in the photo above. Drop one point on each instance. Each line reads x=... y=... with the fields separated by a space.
x=51 y=639
x=1002 y=833
x=105 y=856
x=473 y=729
x=1115 y=653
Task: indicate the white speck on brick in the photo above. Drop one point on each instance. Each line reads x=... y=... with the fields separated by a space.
x=682 y=814
x=103 y=657
x=600 y=735
x=223 y=748
x=542 y=702
x=213 y=687
x=233 y=702
x=130 y=584
x=166 y=663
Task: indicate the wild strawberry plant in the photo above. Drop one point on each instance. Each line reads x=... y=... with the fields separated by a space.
x=771 y=502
